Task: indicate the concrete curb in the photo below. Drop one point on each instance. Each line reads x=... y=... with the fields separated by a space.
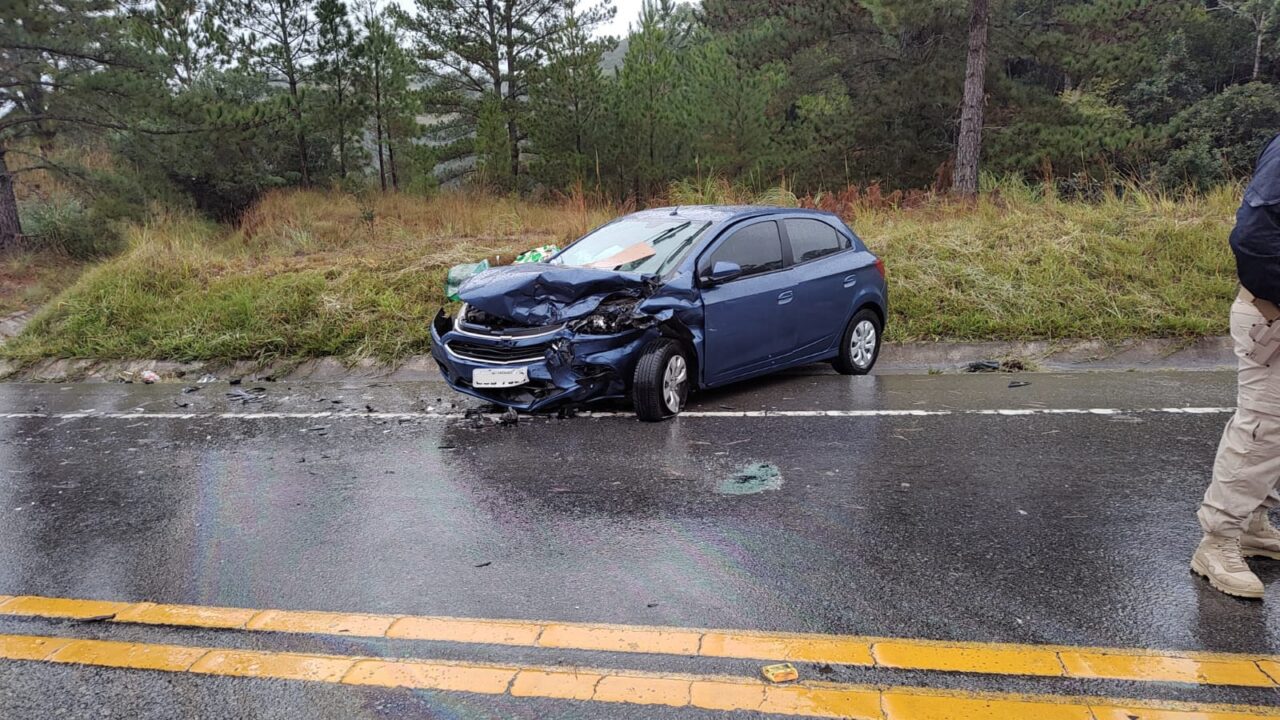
x=1211 y=353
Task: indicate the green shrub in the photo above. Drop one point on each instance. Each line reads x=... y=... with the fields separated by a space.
x=1218 y=139
x=67 y=226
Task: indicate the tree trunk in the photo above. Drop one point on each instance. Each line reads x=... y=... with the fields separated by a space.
x=10 y=225
x=391 y=158
x=513 y=137
x=969 y=146
x=377 y=126
x=302 y=137
x=342 y=131
x=513 y=98
x=1257 y=51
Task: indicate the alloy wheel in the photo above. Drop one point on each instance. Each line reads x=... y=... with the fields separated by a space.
x=673 y=381
x=863 y=343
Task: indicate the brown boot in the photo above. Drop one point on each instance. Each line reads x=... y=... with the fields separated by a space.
x=1219 y=560
x=1260 y=538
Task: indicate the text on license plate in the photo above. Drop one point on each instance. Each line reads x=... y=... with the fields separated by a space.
x=499 y=377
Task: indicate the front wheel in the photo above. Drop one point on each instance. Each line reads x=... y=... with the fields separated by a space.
x=860 y=344
x=661 y=382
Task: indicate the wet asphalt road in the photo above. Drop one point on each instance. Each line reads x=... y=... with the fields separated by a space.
x=1068 y=529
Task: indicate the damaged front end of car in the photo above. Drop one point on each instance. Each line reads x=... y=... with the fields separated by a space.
x=536 y=337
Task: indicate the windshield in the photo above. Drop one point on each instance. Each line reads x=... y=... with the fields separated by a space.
x=642 y=245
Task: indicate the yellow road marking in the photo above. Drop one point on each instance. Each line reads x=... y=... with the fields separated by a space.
x=813 y=699
x=127 y=655
x=1248 y=670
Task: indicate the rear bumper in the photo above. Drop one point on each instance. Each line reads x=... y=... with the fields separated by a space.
x=572 y=369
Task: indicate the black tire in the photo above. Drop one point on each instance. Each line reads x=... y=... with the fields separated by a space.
x=859 y=360
x=649 y=385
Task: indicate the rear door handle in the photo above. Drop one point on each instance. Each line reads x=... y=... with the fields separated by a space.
x=850 y=280
x=785 y=296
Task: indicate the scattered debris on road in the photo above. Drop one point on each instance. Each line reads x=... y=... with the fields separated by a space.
x=253 y=395
x=751 y=479
x=1019 y=383
x=149 y=376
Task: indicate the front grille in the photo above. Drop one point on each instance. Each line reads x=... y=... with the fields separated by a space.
x=502 y=355
x=478 y=322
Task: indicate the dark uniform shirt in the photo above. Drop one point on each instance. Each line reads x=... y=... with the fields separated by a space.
x=1256 y=237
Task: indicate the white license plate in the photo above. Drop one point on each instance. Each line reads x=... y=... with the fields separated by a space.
x=499 y=377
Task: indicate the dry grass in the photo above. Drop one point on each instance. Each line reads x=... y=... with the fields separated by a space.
x=317 y=273
x=28 y=280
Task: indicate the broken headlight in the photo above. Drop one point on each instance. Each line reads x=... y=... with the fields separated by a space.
x=611 y=317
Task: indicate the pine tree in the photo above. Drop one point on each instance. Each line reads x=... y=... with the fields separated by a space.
x=474 y=49
x=277 y=38
x=1262 y=15
x=336 y=72
x=384 y=70
x=69 y=66
x=186 y=35
x=567 y=97
x=648 y=136
x=969 y=147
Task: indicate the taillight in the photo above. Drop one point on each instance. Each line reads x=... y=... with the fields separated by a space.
x=880 y=267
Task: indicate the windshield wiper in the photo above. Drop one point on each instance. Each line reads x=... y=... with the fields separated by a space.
x=666 y=234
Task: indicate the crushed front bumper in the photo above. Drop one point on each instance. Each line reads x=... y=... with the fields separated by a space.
x=565 y=367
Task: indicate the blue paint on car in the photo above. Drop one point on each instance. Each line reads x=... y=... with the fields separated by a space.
x=735 y=292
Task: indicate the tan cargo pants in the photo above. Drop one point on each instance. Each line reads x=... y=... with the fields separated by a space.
x=1246 y=473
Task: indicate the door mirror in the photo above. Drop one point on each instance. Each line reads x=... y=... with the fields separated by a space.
x=722 y=272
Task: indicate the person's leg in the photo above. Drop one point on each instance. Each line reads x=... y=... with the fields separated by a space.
x=1245 y=471
x=1261 y=538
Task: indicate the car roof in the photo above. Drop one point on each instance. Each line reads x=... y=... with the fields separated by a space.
x=723 y=213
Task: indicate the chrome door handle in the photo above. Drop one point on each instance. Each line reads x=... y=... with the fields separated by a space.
x=785 y=296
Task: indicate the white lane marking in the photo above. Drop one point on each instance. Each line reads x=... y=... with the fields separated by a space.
x=1012 y=412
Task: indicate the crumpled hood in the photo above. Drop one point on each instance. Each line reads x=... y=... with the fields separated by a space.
x=537 y=294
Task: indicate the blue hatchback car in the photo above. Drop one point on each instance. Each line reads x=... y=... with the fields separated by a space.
x=663 y=301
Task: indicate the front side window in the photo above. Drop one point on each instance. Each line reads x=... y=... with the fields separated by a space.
x=641 y=245
x=756 y=249
x=812 y=239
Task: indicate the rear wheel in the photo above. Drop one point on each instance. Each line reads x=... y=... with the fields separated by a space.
x=860 y=344
x=661 y=382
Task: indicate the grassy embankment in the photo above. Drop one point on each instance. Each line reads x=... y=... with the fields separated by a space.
x=310 y=273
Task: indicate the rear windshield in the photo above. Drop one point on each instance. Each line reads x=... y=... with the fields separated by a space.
x=642 y=245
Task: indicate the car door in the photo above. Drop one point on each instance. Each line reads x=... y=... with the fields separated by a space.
x=828 y=273
x=748 y=321
x=821 y=295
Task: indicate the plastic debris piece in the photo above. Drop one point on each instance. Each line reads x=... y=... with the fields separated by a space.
x=459 y=274
x=149 y=376
x=538 y=254
x=252 y=396
x=510 y=417
x=1019 y=383
x=780 y=673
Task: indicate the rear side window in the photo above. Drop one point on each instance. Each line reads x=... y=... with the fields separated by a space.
x=812 y=239
x=755 y=248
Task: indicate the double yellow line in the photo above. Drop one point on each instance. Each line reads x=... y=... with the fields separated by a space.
x=811 y=699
